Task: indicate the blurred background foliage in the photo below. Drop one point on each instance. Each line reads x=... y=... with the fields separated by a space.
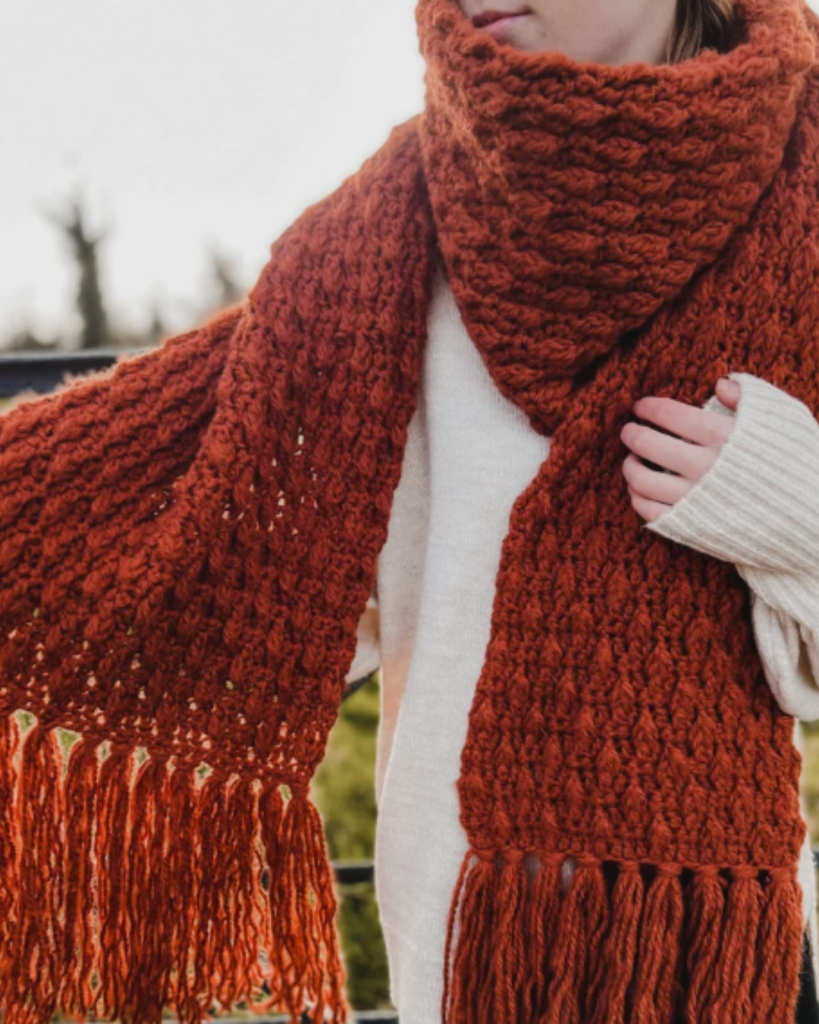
x=345 y=796
x=810 y=779
x=84 y=247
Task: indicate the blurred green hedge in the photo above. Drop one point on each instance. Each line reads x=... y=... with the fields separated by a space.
x=344 y=792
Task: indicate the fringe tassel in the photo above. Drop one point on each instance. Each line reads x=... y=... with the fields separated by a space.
x=450 y=936
x=775 y=992
x=624 y=944
x=231 y=902
x=703 y=941
x=465 y=1001
x=542 y=913
x=146 y=981
x=743 y=909
x=184 y=867
x=127 y=891
x=110 y=849
x=34 y=979
x=659 y=950
x=581 y=928
x=511 y=995
x=737 y=963
x=9 y=876
x=305 y=953
x=612 y=977
x=78 y=947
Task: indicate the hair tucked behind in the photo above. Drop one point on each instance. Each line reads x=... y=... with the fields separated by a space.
x=699 y=24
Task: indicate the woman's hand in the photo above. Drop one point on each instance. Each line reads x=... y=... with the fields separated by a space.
x=684 y=459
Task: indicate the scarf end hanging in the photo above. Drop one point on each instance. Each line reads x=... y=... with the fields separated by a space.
x=620 y=943
x=129 y=886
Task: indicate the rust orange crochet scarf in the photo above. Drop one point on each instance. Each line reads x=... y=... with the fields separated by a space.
x=187 y=542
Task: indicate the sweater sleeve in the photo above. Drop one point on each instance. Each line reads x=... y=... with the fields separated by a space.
x=368 y=651
x=758 y=507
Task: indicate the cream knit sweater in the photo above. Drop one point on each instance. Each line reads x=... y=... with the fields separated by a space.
x=427 y=623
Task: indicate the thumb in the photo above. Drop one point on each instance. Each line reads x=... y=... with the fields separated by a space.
x=728 y=392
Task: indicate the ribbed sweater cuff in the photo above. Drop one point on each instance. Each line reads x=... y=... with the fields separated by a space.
x=758 y=507
x=758 y=504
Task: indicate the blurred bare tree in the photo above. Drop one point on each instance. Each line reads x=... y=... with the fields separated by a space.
x=84 y=247
x=97 y=329
x=227 y=288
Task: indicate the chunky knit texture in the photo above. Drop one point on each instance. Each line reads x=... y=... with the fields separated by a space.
x=469 y=453
x=187 y=543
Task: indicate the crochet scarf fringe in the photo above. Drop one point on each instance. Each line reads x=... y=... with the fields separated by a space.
x=128 y=886
x=620 y=942
x=138 y=887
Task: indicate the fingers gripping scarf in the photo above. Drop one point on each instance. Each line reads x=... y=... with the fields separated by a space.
x=188 y=540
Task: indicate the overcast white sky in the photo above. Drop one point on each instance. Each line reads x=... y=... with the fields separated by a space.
x=185 y=123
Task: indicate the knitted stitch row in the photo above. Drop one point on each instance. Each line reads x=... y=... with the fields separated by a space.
x=187 y=542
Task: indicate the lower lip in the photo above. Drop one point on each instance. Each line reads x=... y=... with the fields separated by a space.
x=500 y=28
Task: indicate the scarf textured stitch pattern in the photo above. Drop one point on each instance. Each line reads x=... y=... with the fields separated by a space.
x=188 y=539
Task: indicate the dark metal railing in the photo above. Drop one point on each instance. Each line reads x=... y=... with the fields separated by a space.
x=362 y=1017
x=43 y=371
